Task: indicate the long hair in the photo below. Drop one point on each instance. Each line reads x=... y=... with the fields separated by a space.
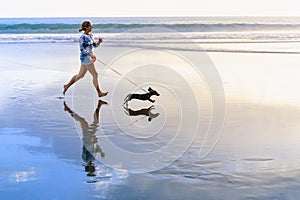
x=85 y=25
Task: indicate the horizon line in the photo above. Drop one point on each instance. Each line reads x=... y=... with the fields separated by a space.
x=169 y=16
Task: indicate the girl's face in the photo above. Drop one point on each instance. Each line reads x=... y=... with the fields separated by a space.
x=89 y=28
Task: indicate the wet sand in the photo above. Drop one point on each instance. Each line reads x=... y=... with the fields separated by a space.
x=42 y=139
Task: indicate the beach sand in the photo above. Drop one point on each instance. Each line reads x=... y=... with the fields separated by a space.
x=256 y=155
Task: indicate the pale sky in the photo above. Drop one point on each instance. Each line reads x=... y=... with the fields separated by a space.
x=128 y=8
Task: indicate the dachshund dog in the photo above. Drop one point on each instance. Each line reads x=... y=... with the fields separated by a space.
x=142 y=97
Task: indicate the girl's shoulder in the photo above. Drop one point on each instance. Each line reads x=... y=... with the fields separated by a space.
x=85 y=37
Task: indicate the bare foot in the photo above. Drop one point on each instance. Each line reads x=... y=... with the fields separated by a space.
x=100 y=103
x=102 y=94
x=65 y=90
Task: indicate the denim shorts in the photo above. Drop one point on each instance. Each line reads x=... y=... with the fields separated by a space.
x=86 y=60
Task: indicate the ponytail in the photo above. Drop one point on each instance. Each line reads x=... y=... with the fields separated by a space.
x=82 y=29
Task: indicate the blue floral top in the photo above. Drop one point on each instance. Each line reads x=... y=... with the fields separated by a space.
x=87 y=43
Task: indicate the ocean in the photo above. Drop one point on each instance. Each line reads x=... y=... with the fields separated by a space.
x=274 y=32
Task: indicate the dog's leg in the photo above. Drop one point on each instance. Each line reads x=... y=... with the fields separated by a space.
x=126 y=110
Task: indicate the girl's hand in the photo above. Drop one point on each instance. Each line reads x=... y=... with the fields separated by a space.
x=93 y=58
x=99 y=41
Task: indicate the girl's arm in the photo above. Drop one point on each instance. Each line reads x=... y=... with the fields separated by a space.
x=83 y=45
x=98 y=43
x=100 y=40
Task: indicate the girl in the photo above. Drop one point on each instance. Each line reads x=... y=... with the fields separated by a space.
x=87 y=58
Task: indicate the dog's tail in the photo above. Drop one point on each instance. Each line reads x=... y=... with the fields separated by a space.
x=126 y=99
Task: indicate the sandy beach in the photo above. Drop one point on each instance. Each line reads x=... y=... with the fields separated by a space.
x=256 y=155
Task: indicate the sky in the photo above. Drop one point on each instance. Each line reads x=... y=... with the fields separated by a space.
x=134 y=8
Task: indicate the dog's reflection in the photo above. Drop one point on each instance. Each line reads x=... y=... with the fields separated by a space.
x=89 y=139
x=144 y=111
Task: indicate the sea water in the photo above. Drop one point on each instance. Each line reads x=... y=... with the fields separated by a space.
x=228 y=34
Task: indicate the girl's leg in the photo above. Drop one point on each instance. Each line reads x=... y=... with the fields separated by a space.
x=92 y=70
x=75 y=78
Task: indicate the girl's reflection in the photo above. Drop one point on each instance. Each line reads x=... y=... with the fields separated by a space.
x=89 y=139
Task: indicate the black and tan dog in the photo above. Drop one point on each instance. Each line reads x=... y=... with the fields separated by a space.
x=143 y=97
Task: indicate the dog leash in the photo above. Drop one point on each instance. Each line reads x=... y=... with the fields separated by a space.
x=121 y=75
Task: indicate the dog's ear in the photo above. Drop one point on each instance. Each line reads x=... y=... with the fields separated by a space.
x=150 y=89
